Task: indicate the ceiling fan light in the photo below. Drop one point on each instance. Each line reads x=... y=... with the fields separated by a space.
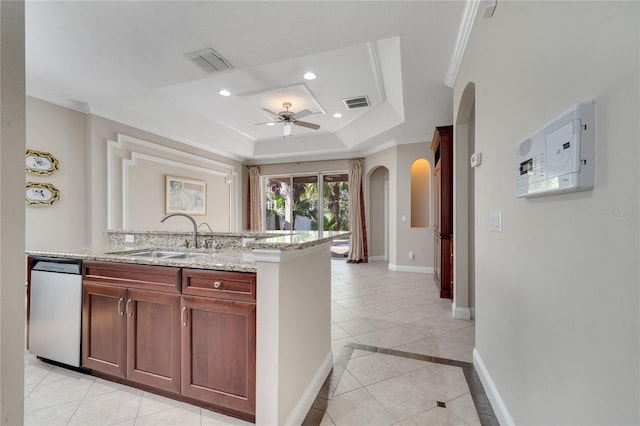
x=287 y=129
x=224 y=92
x=310 y=76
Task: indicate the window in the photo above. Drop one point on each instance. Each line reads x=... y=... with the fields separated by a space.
x=293 y=202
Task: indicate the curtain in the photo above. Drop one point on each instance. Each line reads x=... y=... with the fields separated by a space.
x=254 y=200
x=357 y=225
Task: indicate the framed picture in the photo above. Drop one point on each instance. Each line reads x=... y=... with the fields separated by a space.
x=41 y=194
x=184 y=195
x=41 y=163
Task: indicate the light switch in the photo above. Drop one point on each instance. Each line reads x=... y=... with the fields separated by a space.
x=129 y=238
x=404 y=218
x=495 y=221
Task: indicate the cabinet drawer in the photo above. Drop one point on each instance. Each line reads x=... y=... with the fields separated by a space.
x=221 y=285
x=144 y=277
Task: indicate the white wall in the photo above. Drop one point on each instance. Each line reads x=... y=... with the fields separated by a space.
x=12 y=224
x=61 y=132
x=417 y=240
x=402 y=237
x=557 y=291
x=80 y=142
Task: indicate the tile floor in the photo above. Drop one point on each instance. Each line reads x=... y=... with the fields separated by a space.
x=399 y=359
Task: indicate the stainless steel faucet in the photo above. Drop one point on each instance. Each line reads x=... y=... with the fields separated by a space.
x=209 y=242
x=195 y=225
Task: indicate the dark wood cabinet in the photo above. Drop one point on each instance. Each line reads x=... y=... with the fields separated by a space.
x=442 y=147
x=128 y=331
x=189 y=332
x=219 y=339
x=153 y=336
x=104 y=329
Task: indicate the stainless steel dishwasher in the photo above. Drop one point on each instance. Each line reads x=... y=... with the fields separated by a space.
x=55 y=309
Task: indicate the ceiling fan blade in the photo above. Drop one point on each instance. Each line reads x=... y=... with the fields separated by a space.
x=268 y=122
x=306 y=124
x=301 y=114
x=271 y=114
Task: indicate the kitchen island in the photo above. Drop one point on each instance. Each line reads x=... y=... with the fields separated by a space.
x=291 y=307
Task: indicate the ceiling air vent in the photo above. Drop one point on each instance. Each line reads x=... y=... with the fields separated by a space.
x=209 y=60
x=357 y=102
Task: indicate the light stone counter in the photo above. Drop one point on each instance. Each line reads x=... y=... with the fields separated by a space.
x=235 y=259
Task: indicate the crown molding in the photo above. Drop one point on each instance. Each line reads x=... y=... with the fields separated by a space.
x=466 y=25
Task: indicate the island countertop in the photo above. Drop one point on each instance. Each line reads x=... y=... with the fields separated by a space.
x=228 y=259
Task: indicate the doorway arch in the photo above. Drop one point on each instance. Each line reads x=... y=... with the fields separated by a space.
x=379 y=214
x=464 y=206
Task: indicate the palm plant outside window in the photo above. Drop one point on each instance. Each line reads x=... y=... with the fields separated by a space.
x=292 y=202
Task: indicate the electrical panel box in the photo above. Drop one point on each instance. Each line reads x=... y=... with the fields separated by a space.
x=559 y=157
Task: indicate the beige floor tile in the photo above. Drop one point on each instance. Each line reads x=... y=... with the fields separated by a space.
x=436 y=416
x=444 y=386
x=401 y=397
x=152 y=403
x=51 y=416
x=338 y=333
x=57 y=388
x=356 y=408
x=184 y=415
x=464 y=408
x=357 y=326
x=108 y=408
x=347 y=384
x=211 y=418
x=372 y=369
x=341 y=315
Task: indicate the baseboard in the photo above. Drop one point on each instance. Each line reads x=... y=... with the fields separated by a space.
x=497 y=403
x=461 y=313
x=299 y=412
x=405 y=268
x=377 y=258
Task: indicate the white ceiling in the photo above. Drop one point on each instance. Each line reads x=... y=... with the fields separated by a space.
x=126 y=61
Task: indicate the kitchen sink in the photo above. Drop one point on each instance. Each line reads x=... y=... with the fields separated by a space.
x=161 y=254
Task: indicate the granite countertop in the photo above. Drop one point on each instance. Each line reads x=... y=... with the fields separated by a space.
x=230 y=259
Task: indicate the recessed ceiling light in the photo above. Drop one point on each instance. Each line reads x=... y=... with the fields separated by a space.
x=337 y=115
x=224 y=92
x=310 y=76
x=271 y=124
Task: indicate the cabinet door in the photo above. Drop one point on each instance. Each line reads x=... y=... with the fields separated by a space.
x=437 y=264
x=219 y=352
x=153 y=339
x=104 y=329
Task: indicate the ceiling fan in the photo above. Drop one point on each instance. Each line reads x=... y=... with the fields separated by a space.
x=288 y=118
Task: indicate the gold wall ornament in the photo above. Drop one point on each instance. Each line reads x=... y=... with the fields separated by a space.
x=41 y=163
x=41 y=194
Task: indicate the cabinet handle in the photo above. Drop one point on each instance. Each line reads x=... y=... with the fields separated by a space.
x=217 y=284
x=184 y=317
x=120 y=302
x=129 y=313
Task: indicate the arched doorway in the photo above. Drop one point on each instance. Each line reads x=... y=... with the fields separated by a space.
x=464 y=206
x=378 y=229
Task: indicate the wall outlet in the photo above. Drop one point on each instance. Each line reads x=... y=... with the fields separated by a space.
x=129 y=238
x=411 y=255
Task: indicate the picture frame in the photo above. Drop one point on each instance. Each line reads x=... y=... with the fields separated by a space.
x=41 y=194
x=185 y=195
x=41 y=163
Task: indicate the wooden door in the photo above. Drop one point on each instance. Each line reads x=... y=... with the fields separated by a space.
x=153 y=339
x=104 y=329
x=219 y=352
